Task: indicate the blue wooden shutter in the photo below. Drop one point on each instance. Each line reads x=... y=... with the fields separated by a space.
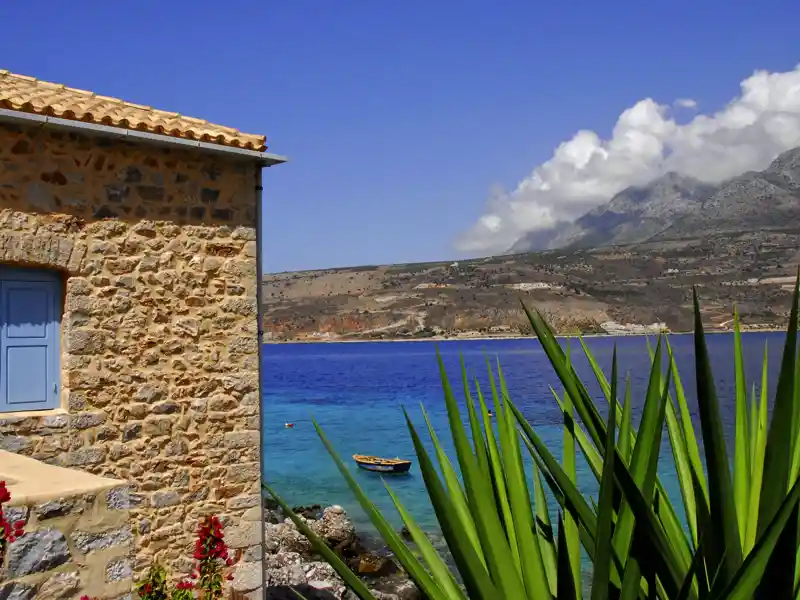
x=29 y=341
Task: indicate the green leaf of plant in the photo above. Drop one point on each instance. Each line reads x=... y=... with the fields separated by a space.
x=605 y=509
x=476 y=578
x=480 y=492
x=759 y=435
x=500 y=480
x=568 y=458
x=683 y=470
x=566 y=582
x=495 y=463
x=796 y=454
x=461 y=510
x=664 y=509
x=640 y=459
x=571 y=382
x=782 y=428
x=626 y=427
x=692 y=447
x=649 y=443
x=688 y=586
x=533 y=571
x=779 y=576
x=741 y=459
x=475 y=421
x=665 y=562
x=590 y=453
x=598 y=372
x=550 y=467
x=748 y=577
x=438 y=568
x=723 y=535
x=567 y=503
x=544 y=530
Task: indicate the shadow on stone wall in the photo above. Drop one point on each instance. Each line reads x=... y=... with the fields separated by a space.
x=85 y=179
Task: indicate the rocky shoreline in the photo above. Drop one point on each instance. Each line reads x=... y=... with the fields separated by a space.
x=291 y=564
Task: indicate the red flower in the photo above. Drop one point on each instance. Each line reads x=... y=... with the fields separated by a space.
x=211 y=558
x=5 y=495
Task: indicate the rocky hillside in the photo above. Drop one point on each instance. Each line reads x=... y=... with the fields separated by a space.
x=678 y=207
x=612 y=290
x=768 y=199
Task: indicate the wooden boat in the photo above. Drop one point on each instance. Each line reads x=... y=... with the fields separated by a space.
x=382 y=465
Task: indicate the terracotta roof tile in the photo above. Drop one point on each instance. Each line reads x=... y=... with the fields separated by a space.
x=28 y=94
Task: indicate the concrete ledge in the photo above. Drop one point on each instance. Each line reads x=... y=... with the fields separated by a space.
x=32 y=481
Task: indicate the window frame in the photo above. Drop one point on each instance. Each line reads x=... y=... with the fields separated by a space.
x=16 y=273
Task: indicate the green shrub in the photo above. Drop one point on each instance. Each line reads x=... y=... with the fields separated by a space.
x=743 y=528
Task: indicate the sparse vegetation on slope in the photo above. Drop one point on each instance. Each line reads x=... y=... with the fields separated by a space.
x=578 y=291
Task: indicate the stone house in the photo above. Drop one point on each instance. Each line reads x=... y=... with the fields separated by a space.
x=129 y=295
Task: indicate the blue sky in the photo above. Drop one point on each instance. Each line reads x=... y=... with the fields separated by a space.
x=398 y=118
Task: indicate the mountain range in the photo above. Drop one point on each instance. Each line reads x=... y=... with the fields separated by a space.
x=629 y=265
x=675 y=206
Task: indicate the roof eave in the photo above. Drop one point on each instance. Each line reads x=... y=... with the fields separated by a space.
x=264 y=159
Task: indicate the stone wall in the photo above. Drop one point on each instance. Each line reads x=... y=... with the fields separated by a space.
x=157 y=249
x=72 y=546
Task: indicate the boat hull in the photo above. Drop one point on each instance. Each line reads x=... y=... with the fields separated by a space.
x=379 y=466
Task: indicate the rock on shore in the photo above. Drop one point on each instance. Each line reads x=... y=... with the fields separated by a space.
x=291 y=562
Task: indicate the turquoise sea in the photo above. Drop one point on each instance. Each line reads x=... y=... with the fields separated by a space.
x=356 y=391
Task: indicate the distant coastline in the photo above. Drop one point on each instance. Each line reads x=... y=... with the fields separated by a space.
x=637 y=287
x=478 y=338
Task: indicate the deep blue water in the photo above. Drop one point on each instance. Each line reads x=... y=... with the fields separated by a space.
x=356 y=391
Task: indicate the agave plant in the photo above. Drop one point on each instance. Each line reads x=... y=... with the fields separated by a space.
x=740 y=536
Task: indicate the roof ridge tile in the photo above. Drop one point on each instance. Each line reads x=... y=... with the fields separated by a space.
x=28 y=94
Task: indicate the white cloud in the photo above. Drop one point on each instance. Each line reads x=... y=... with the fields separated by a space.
x=757 y=125
x=685 y=103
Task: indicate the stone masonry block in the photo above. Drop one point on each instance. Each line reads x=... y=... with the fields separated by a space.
x=87 y=542
x=61 y=586
x=242 y=439
x=118 y=498
x=119 y=569
x=53 y=509
x=14 y=443
x=253 y=554
x=243 y=473
x=17 y=591
x=16 y=513
x=248 y=576
x=37 y=552
x=85 y=341
x=244 y=535
x=165 y=498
